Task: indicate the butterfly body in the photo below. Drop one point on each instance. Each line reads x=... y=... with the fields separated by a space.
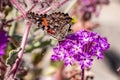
x=56 y=24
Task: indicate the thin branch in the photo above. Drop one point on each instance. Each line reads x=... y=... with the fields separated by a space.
x=54 y=5
x=21 y=16
x=13 y=70
x=2 y=63
x=32 y=7
x=20 y=8
x=82 y=76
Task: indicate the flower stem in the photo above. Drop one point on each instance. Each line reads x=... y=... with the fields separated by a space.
x=2 y=65
x=63 y=2
x=19 y=7
x=21 y=16
x=82 y=76
x=52 y=6
x=23 y=43
x=16 y=65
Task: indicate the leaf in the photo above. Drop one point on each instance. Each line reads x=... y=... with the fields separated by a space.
x=12 y=56
x=45 y=43
x=14 y=41
x=39 y=56
x=36 y=45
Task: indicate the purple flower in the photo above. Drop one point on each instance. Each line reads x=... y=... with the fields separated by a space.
x=80 y=47
x=85 y=36
x=103 y=43
x=91 y=5
x=69 y=60
x=85 y=60
x=3 y=42
x=88 y=2
x=59 y=53
x=76 y=48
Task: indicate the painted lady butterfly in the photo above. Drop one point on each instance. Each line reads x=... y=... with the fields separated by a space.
x=57 y=24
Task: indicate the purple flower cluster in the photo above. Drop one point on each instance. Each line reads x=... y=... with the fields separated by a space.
x=91 y=5
x=80 y=47
x=3 y=41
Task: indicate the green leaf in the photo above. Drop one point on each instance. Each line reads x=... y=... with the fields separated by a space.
x=12 y=56
x=45 y=43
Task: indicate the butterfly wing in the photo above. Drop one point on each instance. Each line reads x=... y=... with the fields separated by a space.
x=57 y=24
x=60 y=23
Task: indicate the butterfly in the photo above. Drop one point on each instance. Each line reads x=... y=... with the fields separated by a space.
x=56 y=24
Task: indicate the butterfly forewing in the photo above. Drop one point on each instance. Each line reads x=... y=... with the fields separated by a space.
x=56 y=24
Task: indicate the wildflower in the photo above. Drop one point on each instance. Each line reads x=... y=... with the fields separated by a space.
x=85 y=60
x=80 y=47
x=3 y=41
x=92 y=5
